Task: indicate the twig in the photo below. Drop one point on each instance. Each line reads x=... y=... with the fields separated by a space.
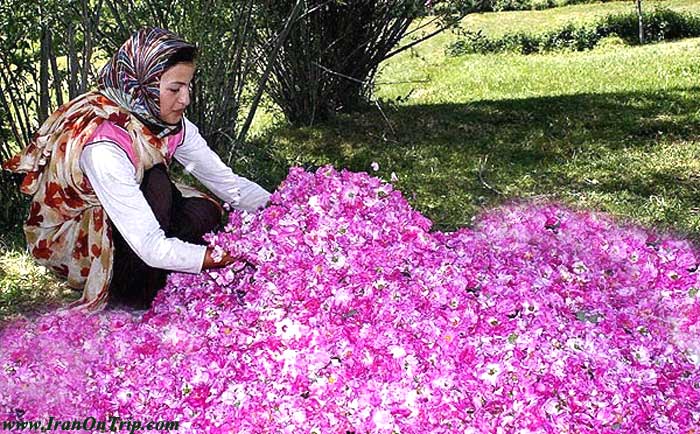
x=386 y=119
x=416 y=42
x=482 y=169
x=330 y=71
x=422 y=26
x=268 y=69
x=382 y=83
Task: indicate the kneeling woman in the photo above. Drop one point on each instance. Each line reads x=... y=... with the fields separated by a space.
x=104 y=213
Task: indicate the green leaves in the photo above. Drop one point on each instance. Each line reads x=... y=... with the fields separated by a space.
x=593 y=318
x=660 y=25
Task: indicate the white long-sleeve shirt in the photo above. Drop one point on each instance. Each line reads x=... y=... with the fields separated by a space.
x=113 y=178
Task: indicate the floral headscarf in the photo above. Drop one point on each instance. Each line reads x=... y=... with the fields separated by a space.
x=132 y=77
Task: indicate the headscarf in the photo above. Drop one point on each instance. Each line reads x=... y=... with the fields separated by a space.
x=132 y=77
x=66 y=229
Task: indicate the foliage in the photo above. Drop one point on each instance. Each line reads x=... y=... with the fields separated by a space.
x=32 y=81
x=659 y=25
x=332 y=53
x=47 y=49
x=518 y=5
x=521 y=5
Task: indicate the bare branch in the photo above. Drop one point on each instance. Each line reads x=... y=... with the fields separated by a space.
x=386 y=119
x=261 y=84
x=416 y=42
x=55 y=72
x=356 y=80
x=18 y=135
x=44 y=48
x=72 y=63
x=11 y=89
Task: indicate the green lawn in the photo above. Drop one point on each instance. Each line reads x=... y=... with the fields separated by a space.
x=660 y=67
x=497 y=24
x=615 y=129
x=610 y=129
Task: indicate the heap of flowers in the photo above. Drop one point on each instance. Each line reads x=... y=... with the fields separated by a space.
x=346 y=314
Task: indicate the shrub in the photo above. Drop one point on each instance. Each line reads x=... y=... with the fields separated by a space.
x=571 y=37
x=474 y=43
x=510 y=5
x=659 y=25
x=331 y=55
x=543 y=4
x=521 y=5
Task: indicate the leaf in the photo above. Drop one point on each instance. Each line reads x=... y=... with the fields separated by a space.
x=591 y=318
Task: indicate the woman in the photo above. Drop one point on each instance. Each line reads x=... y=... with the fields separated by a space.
x=104 y=213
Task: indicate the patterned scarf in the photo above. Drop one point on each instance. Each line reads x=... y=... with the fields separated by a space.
x=132 y=77
x=66 y=230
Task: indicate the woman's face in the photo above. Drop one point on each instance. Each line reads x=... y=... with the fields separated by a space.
x=175 y=91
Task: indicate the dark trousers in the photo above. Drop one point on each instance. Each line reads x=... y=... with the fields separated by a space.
x=133 y=282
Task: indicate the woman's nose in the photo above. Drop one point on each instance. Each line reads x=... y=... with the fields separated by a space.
x=185 y=97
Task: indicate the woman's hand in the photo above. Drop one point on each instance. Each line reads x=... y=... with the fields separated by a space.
x=210 y=261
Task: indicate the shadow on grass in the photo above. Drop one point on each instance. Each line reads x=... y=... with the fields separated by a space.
x=455 y=159
x=600 y=150
x=631 y=154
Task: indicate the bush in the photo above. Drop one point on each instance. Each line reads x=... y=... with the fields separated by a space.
x=511 y=5
x=543 y=4
x=332 y=53
x=568 y=38
x=474 y=43
x=571 y=37
x=660 y=25
x=523 y=5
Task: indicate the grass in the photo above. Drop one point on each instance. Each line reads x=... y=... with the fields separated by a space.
x=497 y=24
x=26 y=288
x=474 y=78
x=615 y=129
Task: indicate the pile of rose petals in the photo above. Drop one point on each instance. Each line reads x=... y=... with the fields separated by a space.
x=346 y=314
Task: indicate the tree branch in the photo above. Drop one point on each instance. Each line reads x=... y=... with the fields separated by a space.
x=266 y=74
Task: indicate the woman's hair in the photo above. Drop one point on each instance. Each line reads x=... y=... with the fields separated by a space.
x=183 y=55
